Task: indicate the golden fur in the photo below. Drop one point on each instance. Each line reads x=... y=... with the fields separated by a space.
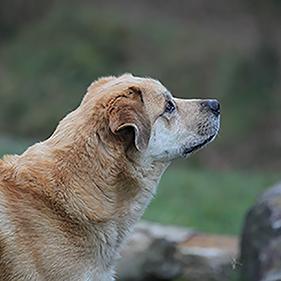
x=67 y=204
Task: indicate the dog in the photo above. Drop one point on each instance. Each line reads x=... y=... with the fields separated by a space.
x=68 y=203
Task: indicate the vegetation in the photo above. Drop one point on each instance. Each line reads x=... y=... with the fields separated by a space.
x=210 y=201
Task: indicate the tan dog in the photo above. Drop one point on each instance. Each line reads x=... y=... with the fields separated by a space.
x=67 y=204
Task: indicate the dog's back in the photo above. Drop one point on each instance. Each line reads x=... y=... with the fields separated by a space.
x=36 y=232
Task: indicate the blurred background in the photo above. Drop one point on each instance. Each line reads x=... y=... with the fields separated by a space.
x=50 y=51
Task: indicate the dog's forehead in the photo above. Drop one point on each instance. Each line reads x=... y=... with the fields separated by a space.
x=149 y=85
x=152 y=90
x=154 y=94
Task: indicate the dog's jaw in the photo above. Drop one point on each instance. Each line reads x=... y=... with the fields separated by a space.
x=186 y=151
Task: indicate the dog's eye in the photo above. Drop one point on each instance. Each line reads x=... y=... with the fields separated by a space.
x=170 y=107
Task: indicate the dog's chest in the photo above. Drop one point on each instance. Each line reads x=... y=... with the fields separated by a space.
x=111 y=235
x=92 y=276
x=134 y=210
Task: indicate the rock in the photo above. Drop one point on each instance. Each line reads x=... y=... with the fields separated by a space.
x=151 y=253
x=209 y=257
x=157 y=252
x=261 y=239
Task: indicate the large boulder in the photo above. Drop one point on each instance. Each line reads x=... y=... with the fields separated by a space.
x=261 y=239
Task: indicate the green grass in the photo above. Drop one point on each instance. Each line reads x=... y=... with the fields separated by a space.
x=211 y=201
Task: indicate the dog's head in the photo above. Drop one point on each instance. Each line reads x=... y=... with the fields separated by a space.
x=140 y=114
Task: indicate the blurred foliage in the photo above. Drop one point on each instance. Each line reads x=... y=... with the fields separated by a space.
x=16 y=13
x=50 y=52
x=10 y=145
x=207 y=200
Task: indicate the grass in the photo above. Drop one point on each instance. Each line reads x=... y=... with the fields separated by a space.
x=210 y=201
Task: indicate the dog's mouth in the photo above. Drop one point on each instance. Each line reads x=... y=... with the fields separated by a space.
x=191 y=149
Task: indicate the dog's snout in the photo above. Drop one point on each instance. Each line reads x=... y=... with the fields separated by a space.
x=211 y=105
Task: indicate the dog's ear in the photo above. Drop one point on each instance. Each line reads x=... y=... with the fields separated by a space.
x=127 y=112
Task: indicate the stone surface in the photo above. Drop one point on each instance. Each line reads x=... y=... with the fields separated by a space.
x=261 y=238
x=209 y=257
x=151 y=253
x=157 y=252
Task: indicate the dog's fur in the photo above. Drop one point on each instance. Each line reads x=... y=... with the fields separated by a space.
x=67 y=204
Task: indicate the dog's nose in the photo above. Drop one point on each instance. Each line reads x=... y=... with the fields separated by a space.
x=212 y=105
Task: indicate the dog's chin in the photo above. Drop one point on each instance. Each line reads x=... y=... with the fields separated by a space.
x=187 y=150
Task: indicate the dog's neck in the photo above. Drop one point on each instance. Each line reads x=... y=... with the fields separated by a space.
x=93 y=182
x=100 y=182
x=92 y=185
x=104 y=193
